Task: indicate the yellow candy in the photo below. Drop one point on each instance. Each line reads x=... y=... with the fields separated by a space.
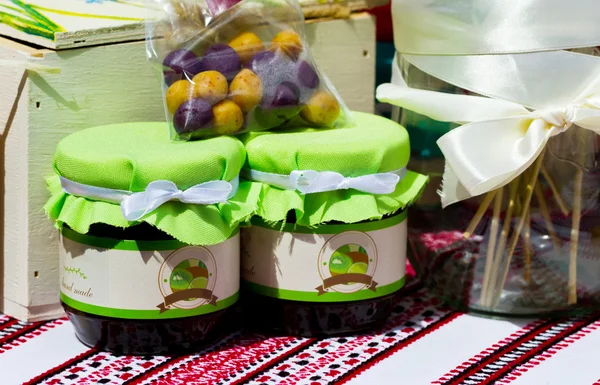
x=288 y=42
x=178 y=93
x=322 y=109
x=210 y=86
x=246 y=90
x=228 y=117
x=247 y=45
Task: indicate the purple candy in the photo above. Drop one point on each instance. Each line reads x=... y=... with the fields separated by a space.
x=307 y=76
x=171 y=77
x=192 y=115
x=261 y=61
x=181 y=61
x=285 y=95
x=221 y=58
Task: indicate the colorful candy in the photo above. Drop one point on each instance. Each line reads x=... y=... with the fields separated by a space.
x=322 y=109
x=246 y=90
x=210 y=86
x=288 y=42
x=228 y=117
x=246 y=45
x=244 y=85
x=307 y=76
x=221 y=58
x=192 y=115
x=181 y=64
x=177 y=94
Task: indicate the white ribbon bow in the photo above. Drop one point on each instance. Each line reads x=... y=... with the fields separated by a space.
x=137 y=205
x=310 y=181
x=501 y=140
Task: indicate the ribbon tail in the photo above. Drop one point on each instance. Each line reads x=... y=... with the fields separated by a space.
x=213 y=300
x=138 y=205
x=447 y=107
x=474 y=156
x=162 y=308
x=320 y=290
x=452 y=190
x=373 y=286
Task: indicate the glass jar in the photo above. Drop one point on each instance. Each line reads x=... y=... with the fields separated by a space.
x=491 y=254
x=122 y=289
x=330 y=280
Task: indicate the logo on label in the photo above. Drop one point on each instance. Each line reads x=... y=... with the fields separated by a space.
x=187 y=278
x=347 y=263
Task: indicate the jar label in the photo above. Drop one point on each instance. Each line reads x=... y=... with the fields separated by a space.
x=147 y=279
x=331 y=263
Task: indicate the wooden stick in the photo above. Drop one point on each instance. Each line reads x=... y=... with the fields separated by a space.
x=575 y=237
x=489 y=260
x=528 y=251
x=513 y=188
x=526 y=206
x=485 y=204
x=559 y=201
x=547 y=218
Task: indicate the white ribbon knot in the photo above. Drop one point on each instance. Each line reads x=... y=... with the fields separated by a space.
x=311 y=182
x=500 y=139
x=139 y=204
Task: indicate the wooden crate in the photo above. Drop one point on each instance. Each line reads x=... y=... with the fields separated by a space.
x=102 y=85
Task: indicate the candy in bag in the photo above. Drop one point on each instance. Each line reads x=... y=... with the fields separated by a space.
x=246 y=68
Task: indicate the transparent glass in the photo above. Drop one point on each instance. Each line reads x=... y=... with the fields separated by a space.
x=531 y=248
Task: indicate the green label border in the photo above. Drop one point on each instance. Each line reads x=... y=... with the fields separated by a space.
x=330 y=296
x=120 y=244
x=332 y=229
x=148 y=314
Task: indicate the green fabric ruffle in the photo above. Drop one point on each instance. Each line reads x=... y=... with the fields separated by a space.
x=129 y=156
x=192 y=224
x=347 y=206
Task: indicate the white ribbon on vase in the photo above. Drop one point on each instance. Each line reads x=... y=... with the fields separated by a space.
x=510 y=51
x=310 y=181
x=136 y=205
x=501 y=138
x=473 y=27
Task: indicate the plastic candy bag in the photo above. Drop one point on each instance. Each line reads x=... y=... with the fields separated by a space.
x=248 y=68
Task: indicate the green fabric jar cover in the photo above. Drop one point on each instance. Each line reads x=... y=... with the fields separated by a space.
x=375 y=145
x=129 y=157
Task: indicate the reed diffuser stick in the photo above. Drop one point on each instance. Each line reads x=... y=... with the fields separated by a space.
x=513 y=188
x=533 y=177
x=485 y=204
x=559 y=201
x=539 y=195
x=528 y=251
x=575 y=237
x=489 y=260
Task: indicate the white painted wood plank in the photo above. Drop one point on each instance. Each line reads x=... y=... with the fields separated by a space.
x=69 y=24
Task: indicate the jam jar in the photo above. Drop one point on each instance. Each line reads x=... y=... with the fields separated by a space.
x=325 y=253
x=149 y=240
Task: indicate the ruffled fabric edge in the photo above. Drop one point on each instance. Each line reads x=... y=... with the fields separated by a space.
x=347 y=206
x=191 y=224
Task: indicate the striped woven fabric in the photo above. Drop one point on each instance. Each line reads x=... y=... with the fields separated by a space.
x=424 y=342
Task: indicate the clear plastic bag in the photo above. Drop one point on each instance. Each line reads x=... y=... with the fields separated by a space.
x=249 y=68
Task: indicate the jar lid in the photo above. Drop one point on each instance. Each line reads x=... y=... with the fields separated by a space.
x=128 y=173
x=353 y=174
x=129 y=156
x=373 y=145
